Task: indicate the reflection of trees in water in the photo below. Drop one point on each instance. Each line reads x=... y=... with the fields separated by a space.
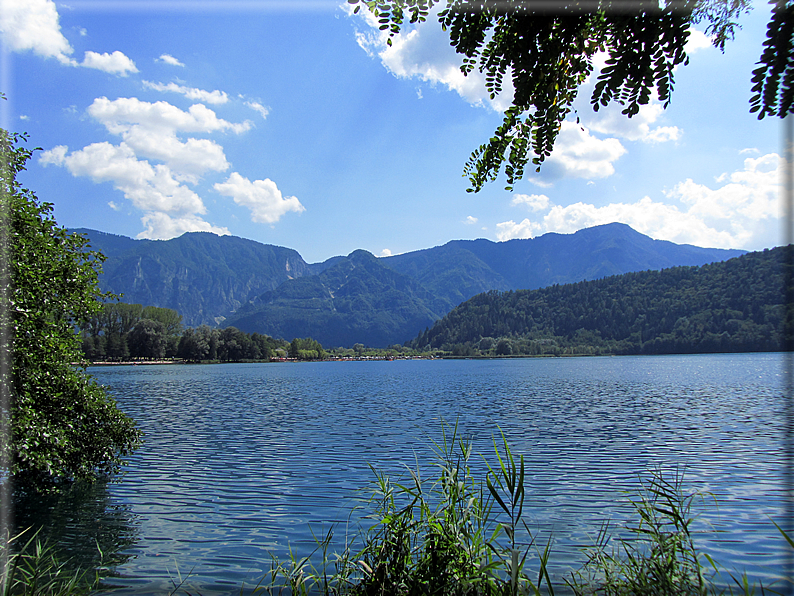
x=80 y=520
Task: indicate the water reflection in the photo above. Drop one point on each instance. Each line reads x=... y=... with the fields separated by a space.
x=88 y=527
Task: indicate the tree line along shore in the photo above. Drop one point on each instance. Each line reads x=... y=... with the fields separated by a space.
x=732 y=306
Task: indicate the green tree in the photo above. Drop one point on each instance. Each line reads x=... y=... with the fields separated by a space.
x=63 y=425
x=148 y=339
x=548 y=53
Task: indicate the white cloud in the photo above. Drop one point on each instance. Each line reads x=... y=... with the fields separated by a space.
x=258 y=107
x=121 y=114
x=114 y=206
x=149 y=188
x=262 y=197
x=609 y=120
x=32 y=25
x=578 y=154
x=150 y=129
x=507 y=230
x=470 y=220
x=169 y=59
x=744 y=212
x=697 y=41
x=424 y=52
x=24 y=117
x=115 y=63
x=160 y=226
x=160 y=190
x=188 y=159
x=534 y=202
x=213 y=97
x=385 y=252
x=750 y=194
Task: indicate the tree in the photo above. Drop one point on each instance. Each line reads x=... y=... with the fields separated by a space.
x=547 y=48
x=63 y=426
x=148 y=339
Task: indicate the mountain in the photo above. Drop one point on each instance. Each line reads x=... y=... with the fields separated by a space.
x=202 y=276
x=731 y=306
x=588 y=254
x=356 y=300
x=212 y=279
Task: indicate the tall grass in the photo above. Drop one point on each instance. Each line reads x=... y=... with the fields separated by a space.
x=30 y=566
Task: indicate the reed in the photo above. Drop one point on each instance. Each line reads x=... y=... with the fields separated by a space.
x=30 y=567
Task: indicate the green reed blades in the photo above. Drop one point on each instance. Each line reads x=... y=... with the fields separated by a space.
x=506 y=486
x=32 y=568
x=661 y=559
x=441 y=537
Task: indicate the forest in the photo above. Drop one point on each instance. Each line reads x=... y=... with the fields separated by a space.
x=121 y=332
x=731 y=306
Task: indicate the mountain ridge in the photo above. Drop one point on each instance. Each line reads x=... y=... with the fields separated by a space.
x=223 y=280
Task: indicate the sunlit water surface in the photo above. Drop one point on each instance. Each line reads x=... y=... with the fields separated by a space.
x=241 y=461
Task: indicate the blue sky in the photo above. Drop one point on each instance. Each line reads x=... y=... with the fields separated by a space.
x=292 y=123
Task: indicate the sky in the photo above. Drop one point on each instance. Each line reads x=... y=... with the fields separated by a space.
x=293 y=123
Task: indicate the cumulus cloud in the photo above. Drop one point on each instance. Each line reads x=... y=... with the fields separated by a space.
x=507 y=230
x=609 y=120
x=160 y=226
x=170 y=208
x=33 y=25
x=750 y=194
x=534 y=202
x=169 y=59
x=385 y=252
x=742 y=212
x=423 y=52
x=158 y=132
x=697 y=41
x=470 y=220
x=121 y=114
x=115 y=63
x=152 y=129
x=213 y=97
x=578 y=154
x=149 y=188
x=262 y=197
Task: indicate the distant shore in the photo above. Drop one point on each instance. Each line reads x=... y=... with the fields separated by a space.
x=330 y=359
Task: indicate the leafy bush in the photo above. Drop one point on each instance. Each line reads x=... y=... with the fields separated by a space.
x=63 y=425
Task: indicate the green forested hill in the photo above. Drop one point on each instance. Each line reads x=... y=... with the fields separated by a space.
x=735 y=305
x=355 y=300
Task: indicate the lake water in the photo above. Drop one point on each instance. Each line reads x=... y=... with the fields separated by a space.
x=242 y=461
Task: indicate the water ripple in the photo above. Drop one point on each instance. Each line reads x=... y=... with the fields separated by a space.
x=241 y=461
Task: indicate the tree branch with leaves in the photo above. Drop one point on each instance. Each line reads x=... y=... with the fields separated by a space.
x=546 y=48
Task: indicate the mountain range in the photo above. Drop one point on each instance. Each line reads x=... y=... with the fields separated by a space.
x=360 y=298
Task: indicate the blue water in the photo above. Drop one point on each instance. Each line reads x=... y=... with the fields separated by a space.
x=240 y=461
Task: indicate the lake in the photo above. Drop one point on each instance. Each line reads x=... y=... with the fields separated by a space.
x=242 y=461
